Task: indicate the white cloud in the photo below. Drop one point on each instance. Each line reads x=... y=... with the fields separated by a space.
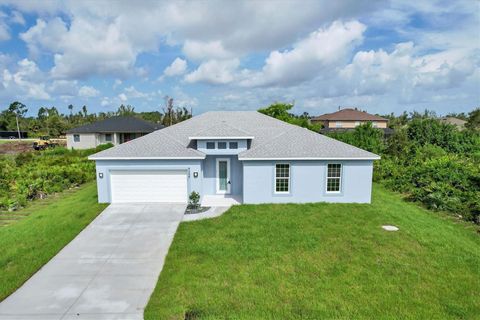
x=214 y=72
x=4 y=29
x=199 y=50
x=26 y=81
x=17 y=18
x=177 y=68
x=116 y=83
x=123 y=97
x=88 y=92
x=131 y=92
x=322 y=49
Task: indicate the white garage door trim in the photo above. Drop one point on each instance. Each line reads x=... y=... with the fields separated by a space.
x=148 y=186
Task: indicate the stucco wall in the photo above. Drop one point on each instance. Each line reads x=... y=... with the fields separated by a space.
x=210 y=175
x=307 y=182
x=105 y=166
x=87 y=141
x=353 y=124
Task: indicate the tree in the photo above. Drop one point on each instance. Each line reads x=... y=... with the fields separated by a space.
x=19 y=110
x=280 y=111
x=85 y=112
x=473 y=121
x=125 y=110
x=70 y=107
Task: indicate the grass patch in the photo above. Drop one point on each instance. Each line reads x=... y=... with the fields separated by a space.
x=48 y=226
x=321 y=261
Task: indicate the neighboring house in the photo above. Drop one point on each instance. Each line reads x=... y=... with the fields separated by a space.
x=459 y=123
x=348 y=119
x=115 y=130
x=234 y=157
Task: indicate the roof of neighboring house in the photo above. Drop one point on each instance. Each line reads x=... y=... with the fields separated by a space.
x=118 y=124
x=349 y=114
x=273 y=139
x=454 y=121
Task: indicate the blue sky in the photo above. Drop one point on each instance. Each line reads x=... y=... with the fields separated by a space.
x=381 y=56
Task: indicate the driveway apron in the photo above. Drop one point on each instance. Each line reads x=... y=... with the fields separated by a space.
x=108 y=271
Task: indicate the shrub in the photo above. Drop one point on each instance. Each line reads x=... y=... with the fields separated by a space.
x=194 y=199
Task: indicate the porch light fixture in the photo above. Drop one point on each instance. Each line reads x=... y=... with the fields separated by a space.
x=195 y=174
x=100 y=175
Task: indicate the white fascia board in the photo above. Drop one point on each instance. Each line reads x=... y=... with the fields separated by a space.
x=221 y=138
x=146 y=158
x=309 y=158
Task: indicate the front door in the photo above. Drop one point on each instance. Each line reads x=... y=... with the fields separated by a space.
x=223 y=176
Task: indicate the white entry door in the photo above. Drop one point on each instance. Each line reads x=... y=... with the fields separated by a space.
x=223 y=175
x=148 y=186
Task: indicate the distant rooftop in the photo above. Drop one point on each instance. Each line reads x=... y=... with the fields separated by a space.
x=118 y=124
x=349 y=114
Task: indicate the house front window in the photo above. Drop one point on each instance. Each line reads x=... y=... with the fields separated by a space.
x=374 y=124
x=334 y=177
x=357 y=123
x=233 y=145
x=222 y=145
x=108 y=137
x=282 y=178
x=76 y=138
x=210 y=145
x=338 y=124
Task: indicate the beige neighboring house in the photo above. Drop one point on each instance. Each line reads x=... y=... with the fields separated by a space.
x=348 y=119
x=115 y=130
x=459 y=123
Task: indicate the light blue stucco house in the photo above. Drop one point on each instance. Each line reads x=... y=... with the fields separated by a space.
x=232 y=157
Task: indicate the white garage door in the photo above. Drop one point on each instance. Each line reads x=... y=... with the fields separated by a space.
x=148 y=186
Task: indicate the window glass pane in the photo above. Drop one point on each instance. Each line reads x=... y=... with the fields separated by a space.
x=108 y=137
x=334 y=170
x=233 y=145
x=222 y=145
x=76 y=138
x=210 y=145
x=282 y=175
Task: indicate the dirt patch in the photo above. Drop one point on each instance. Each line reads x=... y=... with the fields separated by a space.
x=15 y=147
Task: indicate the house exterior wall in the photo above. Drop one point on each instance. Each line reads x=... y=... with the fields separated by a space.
x=87 y=141
x=210 y=175
x=353 y=124
x=105 y=166
x=307 y=182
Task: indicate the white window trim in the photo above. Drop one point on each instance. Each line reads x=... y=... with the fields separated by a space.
x=340 y=179
x=275 y=178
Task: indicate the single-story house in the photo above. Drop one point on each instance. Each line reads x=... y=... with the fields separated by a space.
x=349 y=118
x=232 y=157
x=459 y=123
x=115 y=130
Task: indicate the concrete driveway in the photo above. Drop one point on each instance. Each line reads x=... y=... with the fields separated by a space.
x=107 y=272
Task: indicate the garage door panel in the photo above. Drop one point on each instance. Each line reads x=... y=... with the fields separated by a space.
x=148 y=186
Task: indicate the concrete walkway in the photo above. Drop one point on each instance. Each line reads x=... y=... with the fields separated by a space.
x=107 y=272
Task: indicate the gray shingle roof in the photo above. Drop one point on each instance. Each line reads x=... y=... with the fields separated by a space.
x=273 y=139
x=223 y=130
x=118 y=124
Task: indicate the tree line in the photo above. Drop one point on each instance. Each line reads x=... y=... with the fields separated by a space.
x=51 y=122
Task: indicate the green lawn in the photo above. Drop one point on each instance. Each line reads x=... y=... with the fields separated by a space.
x=322 y=261
x=49 y=225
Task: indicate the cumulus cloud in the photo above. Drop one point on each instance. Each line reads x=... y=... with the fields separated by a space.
x=177 y=68
x=26 y=81
x=88 y=92
x=214 y=72
x=322 y=49
x=199 y=50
